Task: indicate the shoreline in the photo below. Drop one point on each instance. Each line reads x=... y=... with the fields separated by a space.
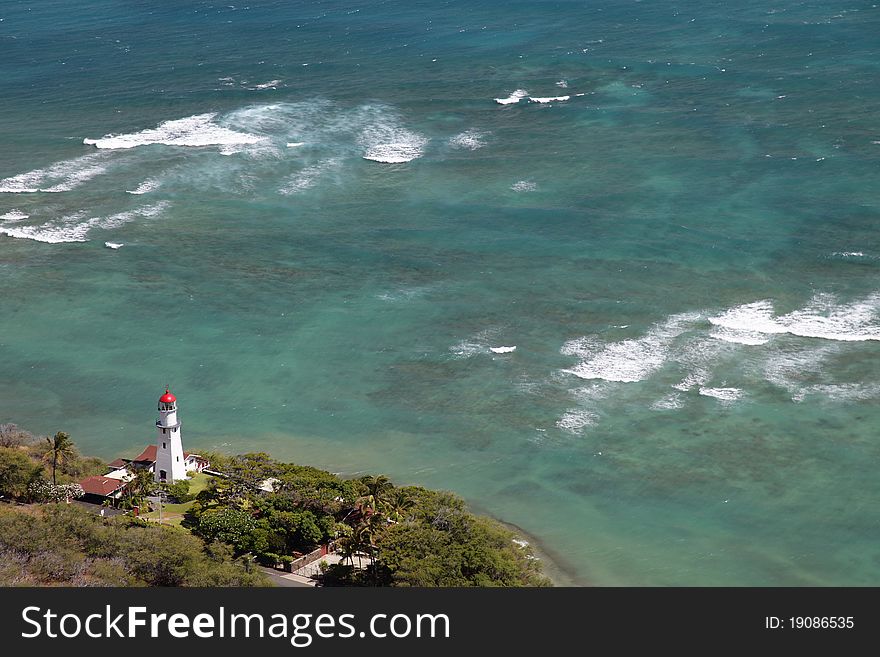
x=553 y=565
x=551 y=562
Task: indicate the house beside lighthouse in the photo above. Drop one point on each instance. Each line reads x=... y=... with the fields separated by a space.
x=165 y=459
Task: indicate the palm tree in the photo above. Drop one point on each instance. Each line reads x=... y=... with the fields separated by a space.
x=139 y=486
x=346 y=543
x=398 y=505
x=59 y=449
x=377 y=486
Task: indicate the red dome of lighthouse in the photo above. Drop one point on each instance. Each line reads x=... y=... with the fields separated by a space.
x=167 y=398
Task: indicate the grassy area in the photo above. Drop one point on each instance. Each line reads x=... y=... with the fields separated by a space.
x=172 y=514
x=198 y=483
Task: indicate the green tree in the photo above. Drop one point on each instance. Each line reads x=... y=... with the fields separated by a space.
x=139 y=486
x=300 y=529
x=347 y=543
x=228 y=525
x=399 y=505
x=179 y=490
x=57 y=450
x=17 y=471
x=378 y=487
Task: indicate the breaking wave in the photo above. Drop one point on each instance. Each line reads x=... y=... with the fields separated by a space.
x=514 y=97
x=822 y=318
x=13 y=216
x=196 y=130
x=74 y=228
x=629 y=361
x=147 y=186
x=524 y=186
x=389 y=143
x=60 y=177
x=548 y=99
x=469 y=139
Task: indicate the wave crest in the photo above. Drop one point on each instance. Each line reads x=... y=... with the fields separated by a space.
x=196 y=130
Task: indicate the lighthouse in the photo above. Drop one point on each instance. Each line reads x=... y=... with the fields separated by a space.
x=170 y=460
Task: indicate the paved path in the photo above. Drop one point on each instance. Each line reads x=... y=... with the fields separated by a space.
x=303 y=576
x=286 y=579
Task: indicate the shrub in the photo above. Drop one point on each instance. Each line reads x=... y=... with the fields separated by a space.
x=179 y=490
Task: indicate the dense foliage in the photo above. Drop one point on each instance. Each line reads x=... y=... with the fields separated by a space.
x=17 y=472
x=403 y=536
x=62 y=544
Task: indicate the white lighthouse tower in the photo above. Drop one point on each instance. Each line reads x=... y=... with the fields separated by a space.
x=170 y=463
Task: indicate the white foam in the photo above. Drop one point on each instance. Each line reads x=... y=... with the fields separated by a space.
x=114 y=245
x=514 y=97
x=633 y=360
x=467 y=348
x=71 y=228
x=476 y=344
x=12 y=216
x=583 y=347
x=698 y=355
x=68 y=230
x=739 y=336
x=575 y=421
x=524 y=186
x=722 y=394
x=147 y=186
x=404 y=294
x=307 y=178
x=692 y=380
x=846 y=392
x=65 y=175
x=790 y=367
x=391 y=144
x=549 y=99
x=822 y=318
x=502 y=350
x=469 y=139
x=271 y=84
x=263 y=149
x=197 y=130
x=750 y=319
x=669 y=403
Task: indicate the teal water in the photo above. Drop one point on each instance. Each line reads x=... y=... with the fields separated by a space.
x=684 y=253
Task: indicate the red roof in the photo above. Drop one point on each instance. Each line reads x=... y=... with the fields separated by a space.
x=167 y=398
x=103 y=486
x=148 y=455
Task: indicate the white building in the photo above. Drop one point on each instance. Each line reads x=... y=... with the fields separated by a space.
x=170 y=459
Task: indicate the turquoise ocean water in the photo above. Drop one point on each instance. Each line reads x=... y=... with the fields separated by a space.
x=329 y=223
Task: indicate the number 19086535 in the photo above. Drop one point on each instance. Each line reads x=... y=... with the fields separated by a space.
x=810 y=622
